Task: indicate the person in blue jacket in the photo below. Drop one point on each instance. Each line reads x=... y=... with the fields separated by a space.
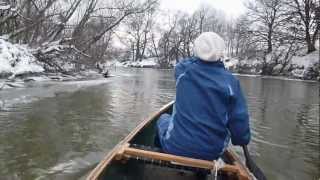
x=210 y=107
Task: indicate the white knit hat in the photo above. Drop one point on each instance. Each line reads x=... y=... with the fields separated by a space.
x=209 y=46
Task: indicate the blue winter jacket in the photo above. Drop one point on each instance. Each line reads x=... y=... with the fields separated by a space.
x=209 y=109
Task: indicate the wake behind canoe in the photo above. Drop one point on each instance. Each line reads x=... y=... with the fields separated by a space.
x=135 y=158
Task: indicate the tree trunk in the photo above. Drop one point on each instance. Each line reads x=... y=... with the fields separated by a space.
x=144 y=45
x=269 y=41
x=310 y=44
x=138 y=50
x=133 y=53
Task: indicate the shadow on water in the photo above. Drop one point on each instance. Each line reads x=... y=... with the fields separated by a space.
x=65 y=135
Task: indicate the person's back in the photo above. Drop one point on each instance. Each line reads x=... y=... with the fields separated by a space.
x=209 y=108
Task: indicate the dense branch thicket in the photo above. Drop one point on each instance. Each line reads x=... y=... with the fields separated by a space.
x=81 y=29
x=271 y=32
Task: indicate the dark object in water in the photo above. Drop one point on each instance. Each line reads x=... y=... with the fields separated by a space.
x=106 y=74
x=136 y=158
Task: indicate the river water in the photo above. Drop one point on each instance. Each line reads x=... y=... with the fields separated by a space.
x=62 y=130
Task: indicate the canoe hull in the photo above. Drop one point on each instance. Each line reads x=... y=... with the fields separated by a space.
x=119 y=164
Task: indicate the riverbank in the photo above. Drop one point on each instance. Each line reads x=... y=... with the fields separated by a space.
x=302 y=67
x=22 y=81
x=17 y=63
x=299 y=65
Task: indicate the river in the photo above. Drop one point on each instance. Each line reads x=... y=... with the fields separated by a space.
x=62 y=130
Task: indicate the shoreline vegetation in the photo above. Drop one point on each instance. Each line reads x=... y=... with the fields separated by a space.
x=22 y=80
x=18 y=62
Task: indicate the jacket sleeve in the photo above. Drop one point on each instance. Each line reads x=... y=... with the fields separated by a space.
x=238 y=123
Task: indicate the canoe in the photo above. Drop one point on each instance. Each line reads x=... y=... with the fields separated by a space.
x=136 y=158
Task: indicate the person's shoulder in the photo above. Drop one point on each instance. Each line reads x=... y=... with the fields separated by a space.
x=232 y=78
x=183 y=63
x=186 y=61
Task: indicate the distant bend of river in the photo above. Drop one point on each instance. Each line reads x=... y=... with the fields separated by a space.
x=67 y=128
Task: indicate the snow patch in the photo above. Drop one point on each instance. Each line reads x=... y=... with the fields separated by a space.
x=230 y=63
x=53 y=46
x=301 y=65
x=113 y=63
x=4 y=7
x=145 y=63
x=16 y=59
x=36 y=78
x=306 y=60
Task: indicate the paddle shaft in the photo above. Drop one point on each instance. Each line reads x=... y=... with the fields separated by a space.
x=252 y=166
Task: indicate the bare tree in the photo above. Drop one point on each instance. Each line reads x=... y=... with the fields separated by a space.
x=139 y=27
x=34 y=20
x=167 y=42
x=267 y=16
x=154 y=48
x=64 y=18
x=189 y=30
x=124 y=9
x=305 y=10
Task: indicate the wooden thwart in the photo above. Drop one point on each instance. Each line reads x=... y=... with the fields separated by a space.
x=127 y=151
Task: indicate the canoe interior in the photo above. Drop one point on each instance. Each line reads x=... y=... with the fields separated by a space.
x=146 y=135
x=133 y=169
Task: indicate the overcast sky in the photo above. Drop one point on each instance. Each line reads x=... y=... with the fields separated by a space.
x=230 y=7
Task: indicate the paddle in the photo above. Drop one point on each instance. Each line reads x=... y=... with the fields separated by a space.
x=252 y=166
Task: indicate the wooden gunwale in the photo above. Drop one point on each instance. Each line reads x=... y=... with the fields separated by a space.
x=97 y=171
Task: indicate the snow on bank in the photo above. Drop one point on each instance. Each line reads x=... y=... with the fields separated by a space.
x=16 y=59
x=305 y=65
x=113 y=63
x=306 y=60
x=302 y=65
x=28 y=92
x=230 y=62
x=145 y=63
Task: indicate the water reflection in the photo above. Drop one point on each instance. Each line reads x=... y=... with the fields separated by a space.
x=285 y=123
x=64 y=136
